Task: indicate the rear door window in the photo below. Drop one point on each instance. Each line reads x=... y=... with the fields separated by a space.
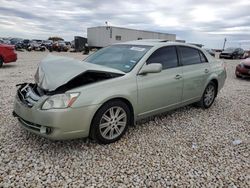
x=167 y=56
x=189 y=55
x=203 y=57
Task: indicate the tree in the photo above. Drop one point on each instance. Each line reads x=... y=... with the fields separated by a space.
x=55 y=38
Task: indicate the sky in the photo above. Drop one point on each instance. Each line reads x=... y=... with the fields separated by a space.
x=206 y=22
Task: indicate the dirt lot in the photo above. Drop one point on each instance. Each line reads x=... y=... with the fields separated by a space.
x=188 y=147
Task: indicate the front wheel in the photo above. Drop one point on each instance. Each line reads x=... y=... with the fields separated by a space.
x=208 y=96
x=110 y=122
x=1 y=62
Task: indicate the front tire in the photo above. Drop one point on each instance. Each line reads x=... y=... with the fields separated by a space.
x=208 y=96
x=1 y=62
x=110 y=122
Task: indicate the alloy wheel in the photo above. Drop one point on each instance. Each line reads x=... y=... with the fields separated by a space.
x=113 y=122
x=209 y=95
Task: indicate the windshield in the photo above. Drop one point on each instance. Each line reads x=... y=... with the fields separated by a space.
x=122 y=57
x=229 y=49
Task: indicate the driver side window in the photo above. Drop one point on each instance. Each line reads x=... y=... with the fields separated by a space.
x=166 y=56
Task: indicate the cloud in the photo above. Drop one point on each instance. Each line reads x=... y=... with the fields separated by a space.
x=206 y=22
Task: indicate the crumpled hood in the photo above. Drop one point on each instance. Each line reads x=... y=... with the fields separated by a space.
x=54 y=71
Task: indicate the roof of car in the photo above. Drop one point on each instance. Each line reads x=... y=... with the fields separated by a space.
x=157 y=42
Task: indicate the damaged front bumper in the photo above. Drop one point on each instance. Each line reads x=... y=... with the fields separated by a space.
x=56 y=124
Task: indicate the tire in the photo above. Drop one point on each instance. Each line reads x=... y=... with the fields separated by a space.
x=208 y=96
x=1 y=62
x=106 y=128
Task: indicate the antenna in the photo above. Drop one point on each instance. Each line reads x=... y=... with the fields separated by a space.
x=107 y=25
x=225 y=40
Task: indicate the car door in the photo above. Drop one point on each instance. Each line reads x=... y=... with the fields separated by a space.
x=158 y=91
x=196 y=71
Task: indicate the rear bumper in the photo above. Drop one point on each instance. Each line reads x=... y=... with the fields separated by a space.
x=55 y=124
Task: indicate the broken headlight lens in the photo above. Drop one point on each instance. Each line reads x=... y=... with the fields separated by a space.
x=60 y=101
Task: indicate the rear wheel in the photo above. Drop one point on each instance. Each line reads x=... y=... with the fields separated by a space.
x=208 y=96
x=110 y=122
x=1 y=62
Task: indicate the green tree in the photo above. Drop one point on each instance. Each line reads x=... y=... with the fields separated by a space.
x=55 y=38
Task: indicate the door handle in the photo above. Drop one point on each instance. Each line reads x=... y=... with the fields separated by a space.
x=206 y=71
x=178 y=77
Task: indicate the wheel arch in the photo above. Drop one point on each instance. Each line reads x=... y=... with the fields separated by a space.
x=127 y=102
x=215 y=81
x=124 y=100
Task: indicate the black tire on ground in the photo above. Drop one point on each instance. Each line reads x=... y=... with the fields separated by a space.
x=208 y=96
x=110 y=122
x=237 y=76
x=1 y=62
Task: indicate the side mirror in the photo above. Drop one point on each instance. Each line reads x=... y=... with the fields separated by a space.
x=151 y=68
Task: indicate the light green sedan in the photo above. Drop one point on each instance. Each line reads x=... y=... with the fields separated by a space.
x=111 y=89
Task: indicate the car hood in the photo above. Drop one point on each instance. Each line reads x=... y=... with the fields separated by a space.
x=246 y=62
x=55 y=71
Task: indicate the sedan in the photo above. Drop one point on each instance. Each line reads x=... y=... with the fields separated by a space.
x=210 y=51
x=232 y=53
x=111 y=89
x=243 y=69
x=7 y=54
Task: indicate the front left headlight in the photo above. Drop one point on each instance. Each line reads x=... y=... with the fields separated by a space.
x=241 y=65
x=60 y=101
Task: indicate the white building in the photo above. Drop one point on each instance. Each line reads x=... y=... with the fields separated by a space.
x=105 y=35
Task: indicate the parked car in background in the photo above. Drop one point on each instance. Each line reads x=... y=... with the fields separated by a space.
x=25 y=43
x=63 y=46
x=112 y=88
x=36 y=45
x=19 y=45
x=7 y=54
x=59 y=46
x=232 y=53
x=14 y=41
x=4 y=41
x=243 y=69
x=47 y=43
x=68 y=44
x=246 y=54
x=210 y=51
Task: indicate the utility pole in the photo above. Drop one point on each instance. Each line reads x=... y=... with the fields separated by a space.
x=225 y=40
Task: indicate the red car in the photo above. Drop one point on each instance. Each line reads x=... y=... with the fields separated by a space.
x=243 y=69
x=7 y=54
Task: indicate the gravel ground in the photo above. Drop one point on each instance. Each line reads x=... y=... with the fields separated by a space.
x=188 y=147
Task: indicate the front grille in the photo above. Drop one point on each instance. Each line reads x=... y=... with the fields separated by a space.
x=247 y=66
x=245 y=74
x=27 y=94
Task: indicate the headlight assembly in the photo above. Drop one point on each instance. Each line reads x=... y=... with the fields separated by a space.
x=242 y=65
x=60 y=101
